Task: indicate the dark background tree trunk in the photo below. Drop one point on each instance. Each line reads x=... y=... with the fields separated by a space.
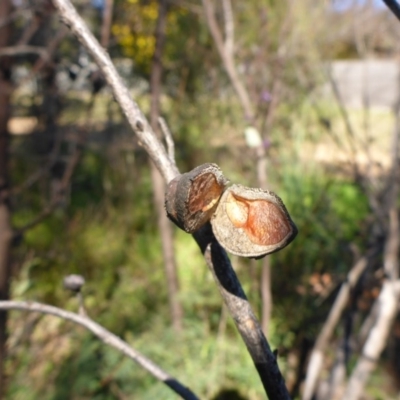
x=6 y=232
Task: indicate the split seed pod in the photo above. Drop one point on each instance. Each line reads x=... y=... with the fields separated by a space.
x=192 y=198
x=252 y=222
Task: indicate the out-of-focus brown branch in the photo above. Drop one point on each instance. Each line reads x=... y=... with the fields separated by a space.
x=229 y=26
x=226 y=54
x=24 y=49
x=107 y=21
x=106 y=337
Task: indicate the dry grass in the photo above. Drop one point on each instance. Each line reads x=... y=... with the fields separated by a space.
x=369 y=144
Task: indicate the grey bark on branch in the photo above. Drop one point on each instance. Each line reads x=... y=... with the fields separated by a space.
x=216 y=258
x=106 y=337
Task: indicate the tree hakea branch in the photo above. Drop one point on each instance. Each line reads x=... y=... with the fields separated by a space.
x=106 y=337
x=215 y=256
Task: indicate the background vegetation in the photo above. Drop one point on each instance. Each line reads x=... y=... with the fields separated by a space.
x=105 y=225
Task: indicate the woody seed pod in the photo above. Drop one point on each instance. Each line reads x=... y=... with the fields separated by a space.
x=252 y=222
x=192 y=198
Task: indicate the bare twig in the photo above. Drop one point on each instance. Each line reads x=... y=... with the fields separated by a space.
x=168 y=138
x=106 y=337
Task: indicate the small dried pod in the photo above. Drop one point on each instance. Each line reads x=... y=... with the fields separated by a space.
x=192 y=198
x=74 y=282
x=252 y=222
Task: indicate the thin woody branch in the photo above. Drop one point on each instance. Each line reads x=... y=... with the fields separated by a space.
x=106 y=337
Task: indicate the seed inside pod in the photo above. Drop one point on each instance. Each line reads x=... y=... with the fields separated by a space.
x=192 y=198
x=252 y=222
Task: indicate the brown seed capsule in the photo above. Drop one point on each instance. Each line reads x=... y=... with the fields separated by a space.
x=252 y=222
x=192 y=198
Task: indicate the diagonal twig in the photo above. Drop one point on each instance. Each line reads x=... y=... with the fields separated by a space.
x=394 y=7
x=106 y=337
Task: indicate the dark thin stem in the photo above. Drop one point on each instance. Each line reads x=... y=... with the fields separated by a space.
x=242 y=314
x=394 y=7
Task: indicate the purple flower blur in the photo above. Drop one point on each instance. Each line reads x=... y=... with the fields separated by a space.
x=266 y=96
x=266 y=143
